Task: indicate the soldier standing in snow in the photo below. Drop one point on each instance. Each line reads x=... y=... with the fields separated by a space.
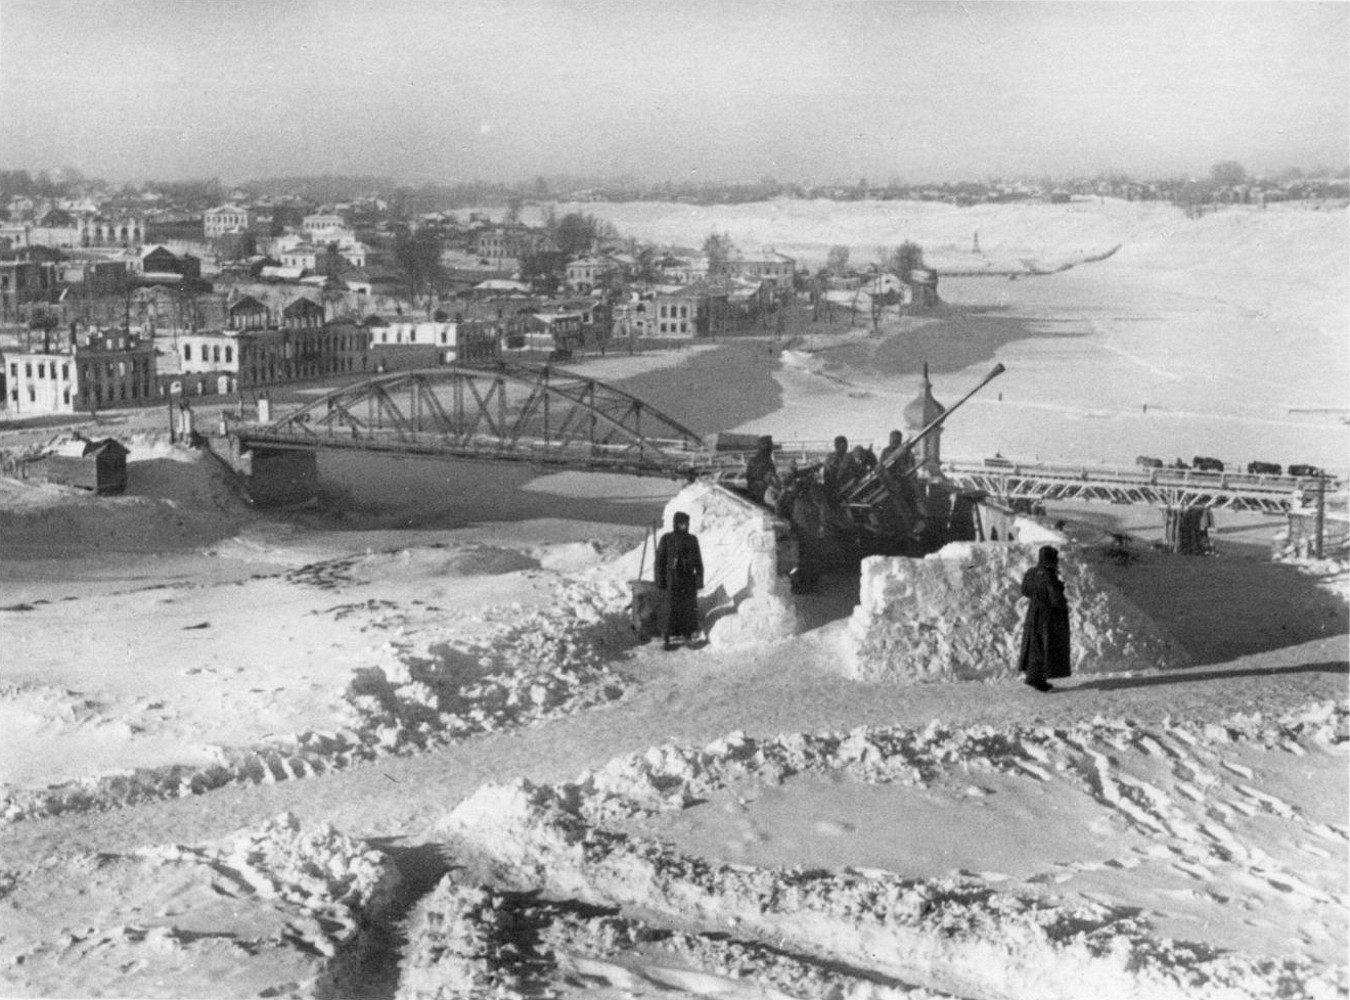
x=679 y=576
x=1045 y=634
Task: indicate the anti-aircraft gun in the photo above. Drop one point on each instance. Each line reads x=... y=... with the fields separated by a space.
x=889 y=510
x=886 y=503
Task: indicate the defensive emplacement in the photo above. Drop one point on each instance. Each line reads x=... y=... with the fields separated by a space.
x=938 y=567
x=949 y=615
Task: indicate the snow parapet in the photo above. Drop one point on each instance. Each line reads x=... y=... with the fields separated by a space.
x=745 y=600
x=957 y=615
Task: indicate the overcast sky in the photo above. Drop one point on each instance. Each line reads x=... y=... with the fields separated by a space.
x=803 y=91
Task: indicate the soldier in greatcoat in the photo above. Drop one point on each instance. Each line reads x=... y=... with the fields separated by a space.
x=1045 y=634
x=679 y=577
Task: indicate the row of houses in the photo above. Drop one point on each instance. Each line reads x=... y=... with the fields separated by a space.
x=73 y=229
x=101 y=370
x=586 y=274
x=74 y=371
x=36 y=277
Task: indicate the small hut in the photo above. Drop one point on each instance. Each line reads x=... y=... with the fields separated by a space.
x=100 y=466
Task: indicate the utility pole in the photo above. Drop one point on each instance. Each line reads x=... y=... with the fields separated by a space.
x=1321 y=515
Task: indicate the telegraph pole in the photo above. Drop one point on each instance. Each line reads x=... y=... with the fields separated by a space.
x=1320 y=523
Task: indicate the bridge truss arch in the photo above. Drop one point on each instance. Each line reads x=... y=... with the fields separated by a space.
x=501 y=411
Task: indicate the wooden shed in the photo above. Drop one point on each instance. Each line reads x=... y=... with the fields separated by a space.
x=100 y=466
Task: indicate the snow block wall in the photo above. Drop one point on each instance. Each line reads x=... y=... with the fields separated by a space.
x=744 y=599
x=957 y=615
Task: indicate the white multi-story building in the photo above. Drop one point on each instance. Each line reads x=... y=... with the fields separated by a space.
x=323 y=227
x=41 y=383
x=684 y=270
x=104 y=369
x=401 y=330
x=226 y=219
x=302 y=256
x=768 y=265
x=214 y=351
x=585 y=273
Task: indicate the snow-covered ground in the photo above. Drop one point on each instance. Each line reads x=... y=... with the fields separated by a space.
x=179 y=670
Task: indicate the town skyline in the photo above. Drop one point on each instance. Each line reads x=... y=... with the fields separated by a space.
x=806 y=93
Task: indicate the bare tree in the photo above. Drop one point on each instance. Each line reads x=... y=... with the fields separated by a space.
x=717 y=248
x=905 y=258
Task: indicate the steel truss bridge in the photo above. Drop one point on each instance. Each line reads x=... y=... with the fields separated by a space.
x=542 y=415
x=502 y=411
x=1154 y=487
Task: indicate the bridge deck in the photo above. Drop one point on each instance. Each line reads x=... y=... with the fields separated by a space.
x=653 y=457
x=1135 y=485
x=548 y=416
x=675 y=458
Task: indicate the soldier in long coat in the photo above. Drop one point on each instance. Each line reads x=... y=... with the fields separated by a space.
x=679 y=576
x=1045 y=634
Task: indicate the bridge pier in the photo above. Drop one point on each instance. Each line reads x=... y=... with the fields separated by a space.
x=282 y=476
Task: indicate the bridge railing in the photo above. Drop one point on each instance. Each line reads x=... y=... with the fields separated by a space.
x=1151 y=475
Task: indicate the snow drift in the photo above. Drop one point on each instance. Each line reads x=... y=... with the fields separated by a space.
x=954 y=935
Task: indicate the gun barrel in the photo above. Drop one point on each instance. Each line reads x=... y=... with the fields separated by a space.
x=935 y=423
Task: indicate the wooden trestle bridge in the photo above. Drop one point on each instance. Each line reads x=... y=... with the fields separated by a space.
x=542 y=415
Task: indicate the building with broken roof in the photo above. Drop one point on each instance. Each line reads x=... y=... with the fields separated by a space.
x=80 y=373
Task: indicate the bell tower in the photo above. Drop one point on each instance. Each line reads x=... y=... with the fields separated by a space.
x=919 y=414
